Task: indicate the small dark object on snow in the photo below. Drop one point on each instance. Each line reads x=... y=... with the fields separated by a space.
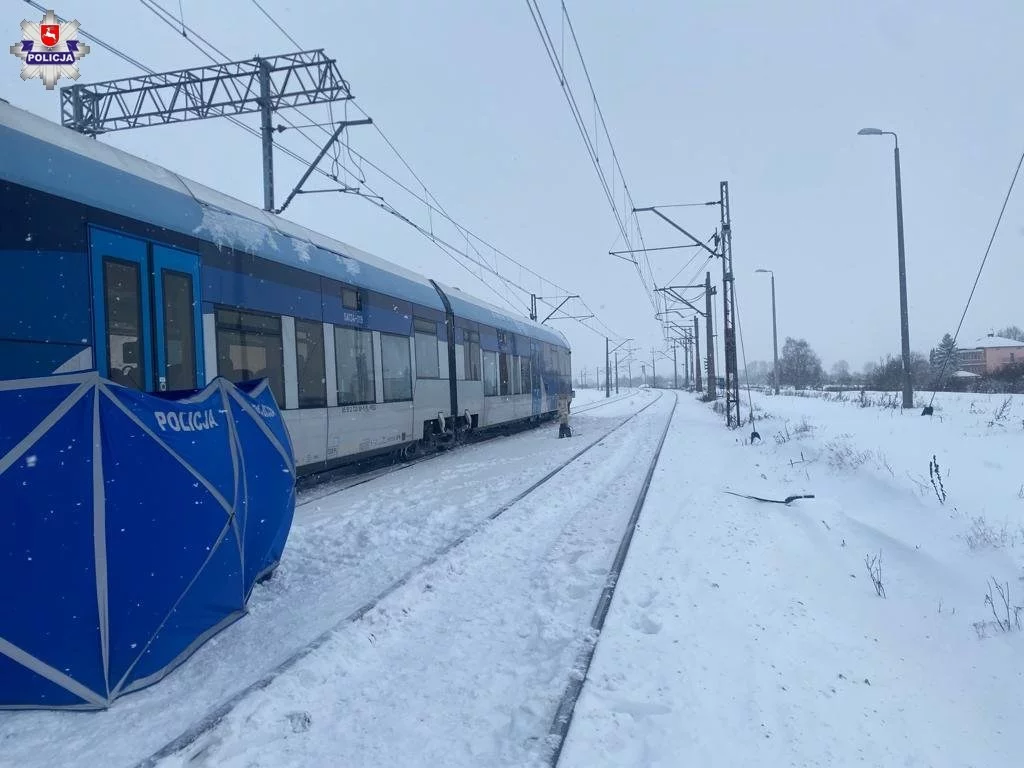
x=787 y=500
x=928 y=411
x=755 y=435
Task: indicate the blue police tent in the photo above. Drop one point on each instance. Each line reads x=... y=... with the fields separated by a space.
x=133 y=528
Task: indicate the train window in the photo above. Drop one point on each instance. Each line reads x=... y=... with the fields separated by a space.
x=353 y=350
x=350 y=298
x=490 y=373
x=501 y=336
x=309 y=364
x=471 y=349
x=397 y=367
x=513 y=376
x=124 y=310
x=249 y=347
x=527 y=371
x=427 y=365
x=504 y=374
x=179 y=330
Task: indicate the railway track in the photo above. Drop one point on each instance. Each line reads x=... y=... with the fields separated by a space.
x=563 y=715
x=215 y=715
x=324 y=488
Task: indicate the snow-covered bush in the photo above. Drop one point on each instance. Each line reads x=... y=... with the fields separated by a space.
x=840 y=455
x=1007 y=616
x=986 y=536
x=874 y=566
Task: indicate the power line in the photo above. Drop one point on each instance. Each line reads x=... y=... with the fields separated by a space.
x=433 y=204
x=690 y=261
x=450 y=250
x=279 y=27
x=446 y=247
x=625 y=222
x=981 y=267
x=169 y=19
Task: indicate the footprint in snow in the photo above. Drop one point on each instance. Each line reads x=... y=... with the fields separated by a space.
x=639 y=709
x=648 y=626
x=646 y=600
x=299 y=721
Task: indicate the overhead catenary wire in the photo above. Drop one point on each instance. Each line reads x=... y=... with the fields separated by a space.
x=977 y=278
x=453 y=252
x=600 y=113
x=434 y=205
x=431 y=201
x=624 y=222
x=690 y=261
x=168 y=18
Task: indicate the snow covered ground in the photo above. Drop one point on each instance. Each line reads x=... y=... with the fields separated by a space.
x=741 y=633
x=344 y=550
x=745 y=633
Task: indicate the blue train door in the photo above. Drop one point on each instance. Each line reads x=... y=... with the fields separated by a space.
x=178 y=319
x=146 y=313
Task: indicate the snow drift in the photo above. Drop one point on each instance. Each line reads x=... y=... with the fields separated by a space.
x=132 y=529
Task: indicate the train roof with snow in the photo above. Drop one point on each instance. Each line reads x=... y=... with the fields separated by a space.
x=92 y=173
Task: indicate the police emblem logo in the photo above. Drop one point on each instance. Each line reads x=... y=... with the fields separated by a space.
x=49 y=50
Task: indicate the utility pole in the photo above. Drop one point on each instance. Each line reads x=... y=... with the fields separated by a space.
x=688 y=358
x=533 y=307
x=685 y=343
x=775 y=335
x=696 y=354
x=654 y=371
x=643 y=372
x=267 y=135
x=709 y=291
x=675 y=369
x=775 y=340
x=607 y=370
x=732 y=383
x=616 y=373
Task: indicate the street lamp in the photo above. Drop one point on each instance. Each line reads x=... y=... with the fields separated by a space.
x=908 y=392
x=775 y=333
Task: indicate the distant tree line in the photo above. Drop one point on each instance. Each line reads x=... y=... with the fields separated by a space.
x=800 y=367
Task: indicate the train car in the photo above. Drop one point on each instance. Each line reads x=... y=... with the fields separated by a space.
x=111 y=263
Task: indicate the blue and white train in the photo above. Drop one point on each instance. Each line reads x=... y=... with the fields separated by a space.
x=111 y=263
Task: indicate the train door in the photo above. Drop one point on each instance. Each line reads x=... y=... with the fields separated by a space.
x=536 y=366
x=146 y=313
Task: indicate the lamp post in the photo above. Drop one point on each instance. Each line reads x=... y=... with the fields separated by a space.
x=775 y=334
x=908 y=392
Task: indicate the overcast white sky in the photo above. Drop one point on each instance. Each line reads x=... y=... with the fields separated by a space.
x=768 y=96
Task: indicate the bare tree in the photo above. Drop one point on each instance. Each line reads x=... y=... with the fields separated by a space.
x=841 y=372
x=1011 y=332
x=798 y=364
